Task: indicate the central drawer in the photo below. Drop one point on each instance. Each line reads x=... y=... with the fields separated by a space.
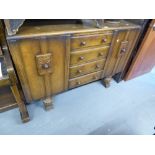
x=92 y=54
x=84 y=79
x=90 y=40
x=86 y=68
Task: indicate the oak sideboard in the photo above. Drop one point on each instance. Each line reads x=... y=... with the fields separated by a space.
x=50 y=59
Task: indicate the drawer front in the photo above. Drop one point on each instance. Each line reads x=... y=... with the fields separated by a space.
x=86 y=68
x=90 y=40
x=83 y=56
x=84 y=79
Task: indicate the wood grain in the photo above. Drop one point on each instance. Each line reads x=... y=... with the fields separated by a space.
x=94 y=53
x=144 y=59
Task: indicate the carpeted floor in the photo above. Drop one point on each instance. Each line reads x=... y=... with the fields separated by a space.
x=124 y=108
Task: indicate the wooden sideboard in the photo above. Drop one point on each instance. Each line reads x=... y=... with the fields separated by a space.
x=50 y=59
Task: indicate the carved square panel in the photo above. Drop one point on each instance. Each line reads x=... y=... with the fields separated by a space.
x=44 y=63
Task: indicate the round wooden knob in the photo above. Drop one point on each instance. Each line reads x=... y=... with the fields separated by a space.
x=78 y=82
x=100 y=54
x=123 y=50
x=45 y=66
x=83 y=43
x=97 y=66
x=104 y=40
x=79 y=71
x=81 y=57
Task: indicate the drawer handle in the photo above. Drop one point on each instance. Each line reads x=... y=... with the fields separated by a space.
x=100 y=54
x=79 y=71
x=123 y=50
x=44 y=63
x=78 y=83
x=97 y=66
x=83 y=43
x=104 y=40
x=81 y=57
x=45 y=66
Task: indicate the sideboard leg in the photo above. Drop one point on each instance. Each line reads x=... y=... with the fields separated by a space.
x=48 y=103
x=22 y=108
x=118 y=77
x=106 y=82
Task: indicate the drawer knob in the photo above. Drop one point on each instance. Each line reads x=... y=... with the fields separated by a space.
x=83 y=43
x=81 y=57
x=123 y=50
x=45 y=66
x=97 y=66
x=104 y=40
x=100 y=54
x=79 y=71
x=78 y=83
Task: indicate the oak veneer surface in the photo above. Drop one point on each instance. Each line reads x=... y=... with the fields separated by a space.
x=117 y=59
x=84 y=79
x=88 y=55
x=45 y=56
x=86 y=68
x=24 y=53
x=48 y=30
x=90 y=40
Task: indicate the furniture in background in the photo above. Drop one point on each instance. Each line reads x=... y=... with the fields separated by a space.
x=7 y=100
x=10 y=94
x=143 y=62
x=53 y=58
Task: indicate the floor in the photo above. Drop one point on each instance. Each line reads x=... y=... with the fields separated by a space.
x=127 y=108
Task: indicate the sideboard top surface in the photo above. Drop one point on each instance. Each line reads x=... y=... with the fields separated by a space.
x=64 y=29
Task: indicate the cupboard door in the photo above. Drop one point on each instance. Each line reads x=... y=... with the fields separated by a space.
x=144 y=60
x=120 y=51
x=125 y=49
x=41 y=65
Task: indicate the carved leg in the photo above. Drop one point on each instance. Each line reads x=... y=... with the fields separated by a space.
x=48 y=103
x=22 y=108
x=106 y=82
